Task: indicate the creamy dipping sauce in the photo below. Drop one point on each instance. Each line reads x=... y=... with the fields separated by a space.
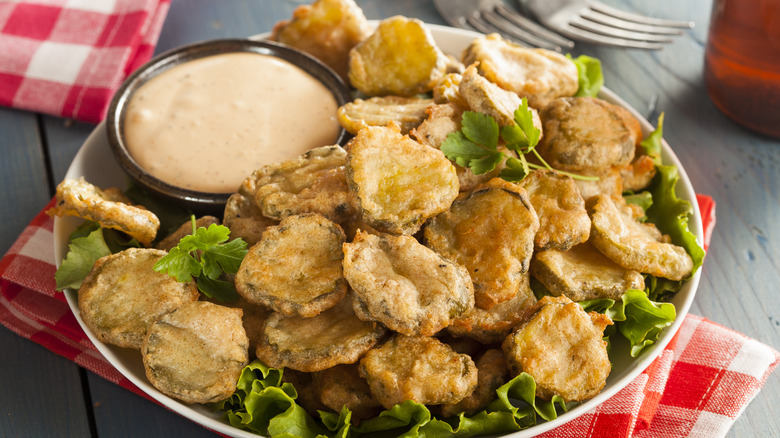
x=206 y=124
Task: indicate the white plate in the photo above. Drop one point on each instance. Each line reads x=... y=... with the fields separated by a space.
x=95 y=162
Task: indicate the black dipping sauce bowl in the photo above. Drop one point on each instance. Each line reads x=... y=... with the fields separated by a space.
x=203 y=202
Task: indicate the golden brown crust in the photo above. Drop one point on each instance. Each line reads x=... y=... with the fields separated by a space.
x=400 y=58
x=196 y=353
x=492 y=326
x=562 y=348
x=491 y=232
x=312 y=183
x=245 y=219
x=397 y=182
x=492 y=374
x=110 y=208
x=335 y=336
x=563 y=220
x=404 y=285
x=586 y=133
x=327 y=30
x=342 y=386
x=406 y=112
x=583 y=273
x=634 y=245
x=539 y=75
x=122 y=296
x=418 y=368
x=296 y=268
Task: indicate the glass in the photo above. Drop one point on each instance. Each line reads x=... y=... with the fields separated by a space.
x=742 y=62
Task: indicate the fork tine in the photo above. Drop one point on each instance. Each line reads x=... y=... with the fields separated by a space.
x=641 y=19
x=533 y=27
x=507 y=27
x=585 y=35
x=580 y=22
x=608 y=20
x=476 y=21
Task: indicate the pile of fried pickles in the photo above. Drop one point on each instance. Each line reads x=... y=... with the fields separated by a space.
x=382 y=272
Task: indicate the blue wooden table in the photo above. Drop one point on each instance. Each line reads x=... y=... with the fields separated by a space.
x=45 y=395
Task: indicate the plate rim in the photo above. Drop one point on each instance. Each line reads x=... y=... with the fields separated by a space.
x=684 y=189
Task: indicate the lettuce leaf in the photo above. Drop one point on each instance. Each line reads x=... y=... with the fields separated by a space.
x=590 y=77
x=636 y=317
x=88 y=243
x=264 y=404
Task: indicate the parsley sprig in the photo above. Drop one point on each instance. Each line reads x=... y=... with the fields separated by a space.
x=205 y=255
x=476 y=145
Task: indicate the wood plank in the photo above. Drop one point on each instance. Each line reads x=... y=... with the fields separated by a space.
x=22 y=174
x=40 y=392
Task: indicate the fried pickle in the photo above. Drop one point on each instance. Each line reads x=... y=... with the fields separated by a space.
x=327 y=30
x=342 y=386
x=583 y=273
x=492 y=373
x=404 y=285
x=561 y=347
x=537 y=74
x=418 y=368
x=110 y=208
x=335 y=336
x=398 y=182
x=491 y=232
x=406 y=112
x=587 y=133
x=295 y=269
x=122 y=295
x=196 y=353
x=312 y=183
x=400 y=58
x=617 y=233
x=485 y=97
x=638 y=174
x=492 y=326
x=563 y=220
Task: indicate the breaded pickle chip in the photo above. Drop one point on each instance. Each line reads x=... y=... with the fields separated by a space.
x=341 y=386
x=485 y=97
x=196 y=353
x=492 y=373
x=447 y=90
x=561 y=346
x=537 y=74
x=110 y=208
x=245 y=219
x=563 y=219
x=418 y=368
x=122 y=295
x=185 y=230
x=400 y=58
x=609 y=183
x=638 y=174
x=398 y=182
x=441 y=120
x=406 y=112
x=404 y=285
x=307 y=393
x=587 y=133
x=492 y=326
x=491 y=232
x=327 y=30
x=295 y=269
x=312 y=183
x=583 y=273
x=634 y=245
x=335 y=336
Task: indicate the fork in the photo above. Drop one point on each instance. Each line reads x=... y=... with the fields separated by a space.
x=489 y=16
x=583 y=20
x=595 y=22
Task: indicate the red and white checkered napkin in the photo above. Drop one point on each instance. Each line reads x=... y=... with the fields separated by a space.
x=68 y=57
x=697 y=387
